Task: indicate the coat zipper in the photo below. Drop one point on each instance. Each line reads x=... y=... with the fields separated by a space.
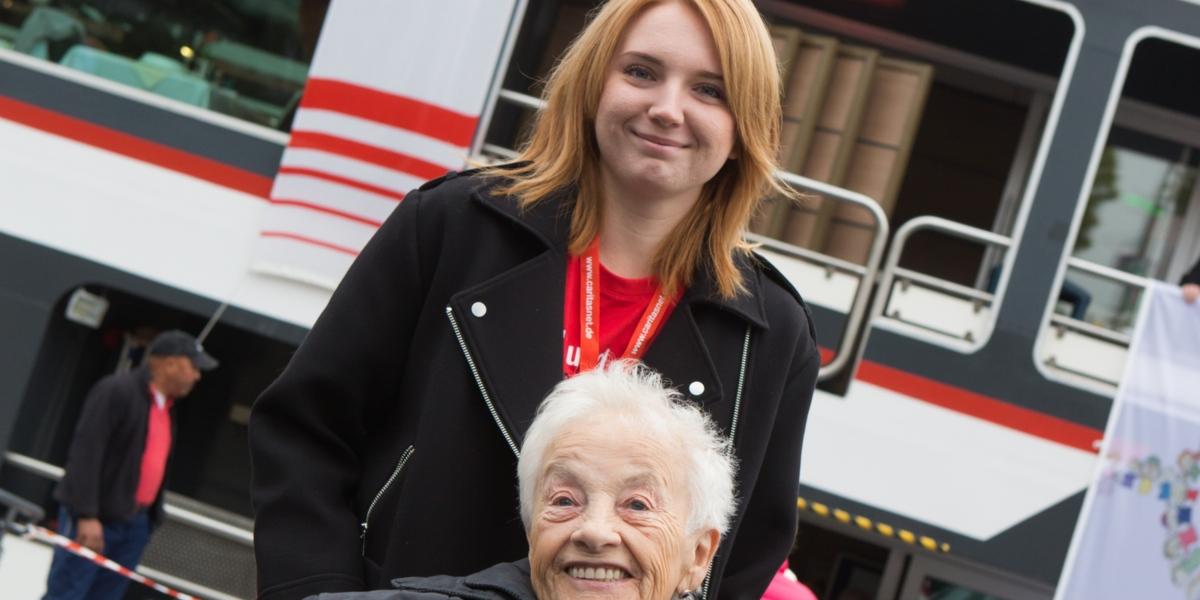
x=737 y=398
x=462 y=343
x=737 y=412
x=408 y=452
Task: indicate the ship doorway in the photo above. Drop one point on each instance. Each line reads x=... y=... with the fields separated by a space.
x=209 y=473
x=843 y=561
x=210 y=461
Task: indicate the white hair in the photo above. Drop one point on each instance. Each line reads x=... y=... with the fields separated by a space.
x=626 y=389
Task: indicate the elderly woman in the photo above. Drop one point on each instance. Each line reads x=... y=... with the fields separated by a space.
x=386 y=448
x=625 y=491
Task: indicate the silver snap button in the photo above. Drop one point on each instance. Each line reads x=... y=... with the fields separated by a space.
x=479 y=309
x=696 y=388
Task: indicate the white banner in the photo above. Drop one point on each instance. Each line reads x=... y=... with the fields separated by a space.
x=1137 y=532
x=393 y=98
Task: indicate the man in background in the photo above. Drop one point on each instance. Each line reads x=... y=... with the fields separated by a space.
x=111 y=494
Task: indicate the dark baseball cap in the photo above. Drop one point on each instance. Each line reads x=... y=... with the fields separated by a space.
x=178 y=343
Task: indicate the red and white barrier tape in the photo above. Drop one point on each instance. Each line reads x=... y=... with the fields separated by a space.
x=74 y=548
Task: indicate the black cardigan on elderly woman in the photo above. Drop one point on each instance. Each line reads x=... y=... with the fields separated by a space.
x=387 y=448
x=505 y=581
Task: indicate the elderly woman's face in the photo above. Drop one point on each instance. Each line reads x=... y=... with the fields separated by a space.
x=609 y=515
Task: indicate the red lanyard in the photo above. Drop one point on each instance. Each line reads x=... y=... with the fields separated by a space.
x=589 y=314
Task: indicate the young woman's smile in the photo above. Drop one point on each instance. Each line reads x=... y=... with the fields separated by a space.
x=662 y=123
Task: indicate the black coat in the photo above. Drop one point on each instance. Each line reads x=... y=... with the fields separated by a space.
x=409 y=398
x=104 y=462
x=505 y=581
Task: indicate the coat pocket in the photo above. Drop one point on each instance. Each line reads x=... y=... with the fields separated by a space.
x=391 y=480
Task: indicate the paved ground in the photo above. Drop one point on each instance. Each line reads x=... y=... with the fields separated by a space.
x=23 y=567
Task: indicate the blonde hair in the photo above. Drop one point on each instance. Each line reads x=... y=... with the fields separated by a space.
x=562 y=154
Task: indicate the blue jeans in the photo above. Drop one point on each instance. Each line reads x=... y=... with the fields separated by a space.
x=76 y=578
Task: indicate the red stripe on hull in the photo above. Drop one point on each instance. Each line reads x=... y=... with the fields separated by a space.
x=326 y=210
x=307 y=240
x=354 y=183
x=989 y=409
x=365 y=152
x=390 y=109
x=1001 y=413
x=135 y=147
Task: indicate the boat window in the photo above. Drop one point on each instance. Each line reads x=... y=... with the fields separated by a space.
x=244 y=58
x=1133 y=221
x=1138 y=220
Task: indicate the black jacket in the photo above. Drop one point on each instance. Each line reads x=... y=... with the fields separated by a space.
x=505 y=581
x=104 y=462
x=401 y=413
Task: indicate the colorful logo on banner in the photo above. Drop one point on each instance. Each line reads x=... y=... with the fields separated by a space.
x=1138 y=534
x=1176 y=485
x=393 y=99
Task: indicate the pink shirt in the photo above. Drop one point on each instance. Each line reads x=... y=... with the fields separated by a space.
x=158 y=447
x=786 y=588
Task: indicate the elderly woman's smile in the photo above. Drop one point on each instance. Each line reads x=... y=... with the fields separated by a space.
x=609 y=514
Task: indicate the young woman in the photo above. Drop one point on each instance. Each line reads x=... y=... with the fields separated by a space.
x=388 y=446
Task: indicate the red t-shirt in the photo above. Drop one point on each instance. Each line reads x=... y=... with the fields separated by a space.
x=622 y=303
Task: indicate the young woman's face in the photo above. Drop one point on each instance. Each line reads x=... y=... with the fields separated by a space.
x=663 y=126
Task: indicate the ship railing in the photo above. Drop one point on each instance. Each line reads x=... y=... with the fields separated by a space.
x=931 y=308
x=1090 y=354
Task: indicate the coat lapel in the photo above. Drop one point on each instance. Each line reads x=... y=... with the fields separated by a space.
x=513 y=327
x=516 y=343
x=679 y=354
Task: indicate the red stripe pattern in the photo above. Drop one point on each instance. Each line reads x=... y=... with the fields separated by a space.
x=383 y=157
x=398 y=111
x=340 y=178
x=326 y=210
x=346 y=181
x=392 y=100
x=307 y=240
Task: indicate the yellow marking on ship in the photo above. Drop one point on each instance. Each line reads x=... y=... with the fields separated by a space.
x=866 y=524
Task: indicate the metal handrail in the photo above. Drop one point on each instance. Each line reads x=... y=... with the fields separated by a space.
x=501 y=151
x=1109 y=272
x=930 y=222
x=177 y=513
x=524 y=100
x=830 y=262
x=950 y=287
x=858 y=309
x=1088 y=329
x=496 y=84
